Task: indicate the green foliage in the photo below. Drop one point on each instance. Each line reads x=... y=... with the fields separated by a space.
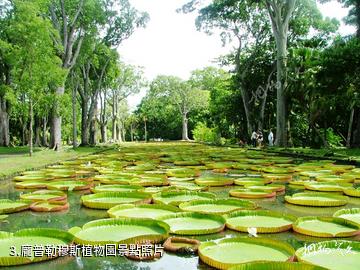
x=202 y=133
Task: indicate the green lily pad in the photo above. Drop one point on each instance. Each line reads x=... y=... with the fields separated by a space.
x=328 y=187
x=252 y=193
x=352 y=214
x=121 y=230
x=214 y=181
x=334 y=255
x=316 y=199
x=49 y=206
x=9 y=206
x=175 y=198
x=69 y=185
x=44 y=195
x=236 y=251
x=188 y=223
x=31 y=184
x=116 y=188
x=32 y=237
x=153 y=211
x=276 y=266
x=106 y=200
x=263 y=220
x=326 y=227
x=219 y=206
x=353 y=192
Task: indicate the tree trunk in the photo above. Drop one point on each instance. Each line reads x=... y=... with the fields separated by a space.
x=44 y=135
x=56 y=122
x=37 y=132
x=351 y=119
x=185 y=136
x=31 y=115
x=4 y=123
x=281 y=134
x=74 y=124
x=131 y=132
x=145 y=131
x=84 y=123
x=103 y=132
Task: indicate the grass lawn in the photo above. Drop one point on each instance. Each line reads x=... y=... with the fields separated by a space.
x=16 y=159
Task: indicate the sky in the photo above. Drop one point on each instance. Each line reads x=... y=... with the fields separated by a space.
x=171 y=45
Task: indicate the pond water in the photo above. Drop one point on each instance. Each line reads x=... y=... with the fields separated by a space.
x=77 y=215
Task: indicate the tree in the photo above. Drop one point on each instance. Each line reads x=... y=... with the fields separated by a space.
x=182 y=95
x=35 y=65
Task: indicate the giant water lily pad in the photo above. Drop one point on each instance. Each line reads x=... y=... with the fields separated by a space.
x=9 y=206
x=188 y=185
x=120 y=230
x=252 y=193
x=69 y=185
x=263 y=220
x=235 y=251
x=276 y=188
x=106 y=200
x=330 y=186
x=353 y=192
x=31 y=177
x=214 y=181
x=116 y=188
x=49 y=206
x=335 y=178
x=316 y=199
x=153 y=211
x=31 y=184
x=32 y=237
x=276 y=266
x=352 y=214
x=220 y=206
x=334 y=255
x=44 y=195
x=177 y=197
x=188 y=223
x=251 y=181
x=326 y=227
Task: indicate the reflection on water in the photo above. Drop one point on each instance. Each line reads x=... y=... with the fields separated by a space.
x=78 y=215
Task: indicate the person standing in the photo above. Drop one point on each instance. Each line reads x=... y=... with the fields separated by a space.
x=254 y=137
x=271 y=138
x=260 y=138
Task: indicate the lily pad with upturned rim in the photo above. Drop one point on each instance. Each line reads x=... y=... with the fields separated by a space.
x=352 y=214
x=219 y=206
x=153 y=211
x=327 y=187
x=33 y=237
x=31 y=184
x=334 y=255
x=177 y=197
x=353 y=192
x=69 y=185
x=121 y=230
x=106 y=200
x=181 y=245
x=44 y=195
x=252 y=193
x=49 y=206
x=191 y=223
x=214 y=181
x=236 y=251
x=326 y=227
x=8 y=206
x=263 y=220
x=276 y=266
x=116 y=188
x=316 y=199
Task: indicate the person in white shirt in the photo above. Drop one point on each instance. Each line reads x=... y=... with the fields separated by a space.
x=271 y=138
x=254 y=137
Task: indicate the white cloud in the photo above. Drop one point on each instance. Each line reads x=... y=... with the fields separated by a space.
x=170 y=44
